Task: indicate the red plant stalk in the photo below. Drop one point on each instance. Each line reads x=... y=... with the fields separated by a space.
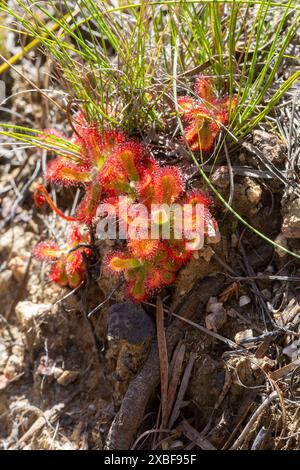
x=41 y=195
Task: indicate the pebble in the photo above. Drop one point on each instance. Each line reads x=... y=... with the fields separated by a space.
x=244 y=300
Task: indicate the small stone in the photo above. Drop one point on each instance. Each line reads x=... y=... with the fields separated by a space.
x=18 y=266
x=128 y=321
x=67 y=377
x=232 y=313
x=3 y=355
x=217 y=315
x=220 y=177
x=207 y=253
x=14 y=366
x=3 y=381
x=282 y=241
x=212 y=304
x=270 y=269
x=253 y=191
x=264 y=363
x=266 y=294
x=48 y=368
x=244 y=300
x=215 y=321
x=292 y=350
x=14 y=241
x=66 y=446
x=271 y=146
x=234 y=240
x=92 y=408
x=6 y=280
x=291 y=221
x=214 y=238
x=247 y=196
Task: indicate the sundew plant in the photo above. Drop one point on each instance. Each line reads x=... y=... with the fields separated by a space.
x=196 y=75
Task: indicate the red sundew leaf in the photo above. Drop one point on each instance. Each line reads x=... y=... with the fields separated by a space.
x=98 y=146
x=112 y=209
x=80 y=123
x=222 y=117
x=171 y=264
x=88 y=206
x=215 y=126
x=119 y=262
x=131 y=275
x=224 y=104
x=194 y=242
x=198 y=197
x=204 y=137
x=206 y=118
x=112 y=176
x=136 y=290
x=153 y=280
x=111 y=139
x=48 y=251
x=185 y=103
x=167 y=277
x=75 y=278
x=138 y=223
x=201 y=132
x=119 y=209
x=58 y=274
x=194 y=222
x=148 y=164
x=146 y=189
x=66 y=173
x=200 y=113
x=130 y=154
x=74 y=262
x=178 y=252
x=124 y=168
x=93 y=144
x=207 y=136
x=69 y=269
x=191 y=132
x=168 y=185
x=78 y=236
x=204 y=88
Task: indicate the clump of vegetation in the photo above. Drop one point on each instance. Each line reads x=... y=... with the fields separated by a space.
x=111 y=166
x=109 y=59
x=164 y=101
